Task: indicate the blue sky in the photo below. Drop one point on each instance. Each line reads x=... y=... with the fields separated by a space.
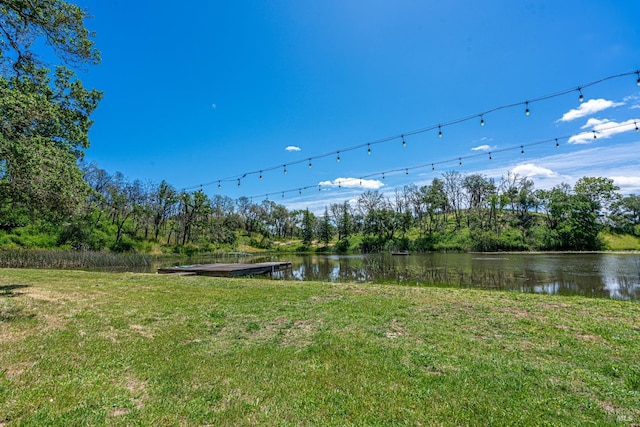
x=200 y=91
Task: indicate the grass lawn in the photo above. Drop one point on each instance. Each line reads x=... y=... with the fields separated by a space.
x=84 y=348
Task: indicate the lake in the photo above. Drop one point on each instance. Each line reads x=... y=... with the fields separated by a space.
x=603 y=275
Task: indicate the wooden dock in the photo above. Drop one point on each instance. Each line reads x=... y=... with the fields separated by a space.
x=226 y=270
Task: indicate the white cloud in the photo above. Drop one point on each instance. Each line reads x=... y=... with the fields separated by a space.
x=484 y=147
x=291 y=148
x=603 y=129
x=628 y=184
x=530 y=170
x=589 y=107
x=369 y=184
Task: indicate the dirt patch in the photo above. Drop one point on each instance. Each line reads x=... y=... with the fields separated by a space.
x=301 y=332
x=325 y=298
x=18 y=369
x=141 y=330
x=588 y=337
x=395 y=330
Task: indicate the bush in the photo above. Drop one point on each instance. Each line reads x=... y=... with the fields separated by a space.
x=342 y=247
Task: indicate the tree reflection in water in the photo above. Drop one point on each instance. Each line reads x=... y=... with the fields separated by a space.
x=604 y=275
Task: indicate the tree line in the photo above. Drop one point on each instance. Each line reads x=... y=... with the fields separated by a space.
x=453 y=212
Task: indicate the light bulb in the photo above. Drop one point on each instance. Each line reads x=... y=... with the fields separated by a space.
x=238 y=183
x=219 y=186
x=338 y=158
x=432 y=167
x=638 y=82
x=382 y=176
x=439 y=131
x=594 y=135
x=481 y=121
x=526 y=111
x=460 y=161
x=285 y=169
x=490 y=158
x=406 y=171
x=368 y=150
x=309 y=163
x=557 y=143
x=404 y=143
x=581 y=97
x=522 y=150
x=636 y=123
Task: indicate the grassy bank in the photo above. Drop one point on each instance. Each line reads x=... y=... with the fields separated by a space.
x=80 y=348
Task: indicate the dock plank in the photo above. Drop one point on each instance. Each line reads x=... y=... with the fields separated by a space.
x=227 y=270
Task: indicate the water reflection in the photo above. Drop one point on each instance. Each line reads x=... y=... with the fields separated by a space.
x=615 y=276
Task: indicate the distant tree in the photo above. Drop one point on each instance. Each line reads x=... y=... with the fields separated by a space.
x=308 y=227
x=626 y=214
x=325 y=229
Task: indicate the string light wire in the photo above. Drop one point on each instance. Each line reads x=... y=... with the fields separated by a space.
x=432 y=165
x=439 y=127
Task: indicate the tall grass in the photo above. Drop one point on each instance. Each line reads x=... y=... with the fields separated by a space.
x=71 y=259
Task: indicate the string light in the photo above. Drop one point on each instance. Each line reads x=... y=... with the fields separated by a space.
x=299 y=192
x=404 y=143
x=526 y=111
x=638 y=81
x=481 y=120
x=439 y=126
x=426 y=129
x=522 y=150
x=338 y=158
x=219 y=185
x=309 y=163
x=594 y=135
x=285 y=169
x=368 y=149
x=260 y=175
x=238 y=183
x=406 y=171
x=581 y=97
x=449 y=123
x=384 y=173
x=636 y=123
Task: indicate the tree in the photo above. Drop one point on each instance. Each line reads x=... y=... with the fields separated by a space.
x=44 y=116
x=325 y=229
x=164 y=199
x=626 y=214
x=308 y=226
x=601 y=193
x=60 y=23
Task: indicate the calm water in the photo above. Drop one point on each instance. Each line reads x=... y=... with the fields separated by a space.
x=615 y=276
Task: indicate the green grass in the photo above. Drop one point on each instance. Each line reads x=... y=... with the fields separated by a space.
x=80 y=348
x=621 y=242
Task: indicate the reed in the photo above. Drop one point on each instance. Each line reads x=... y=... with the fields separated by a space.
x=71 y=259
